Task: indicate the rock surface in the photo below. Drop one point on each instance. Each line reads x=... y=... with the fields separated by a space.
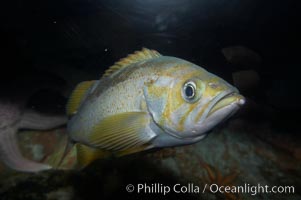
x=241 y=152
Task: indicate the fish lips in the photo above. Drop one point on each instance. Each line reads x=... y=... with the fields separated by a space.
x=230 y=99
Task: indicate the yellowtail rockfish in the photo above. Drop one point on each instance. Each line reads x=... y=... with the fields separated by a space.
x=146 y=101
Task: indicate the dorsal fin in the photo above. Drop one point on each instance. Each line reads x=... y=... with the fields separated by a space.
x=144 y=54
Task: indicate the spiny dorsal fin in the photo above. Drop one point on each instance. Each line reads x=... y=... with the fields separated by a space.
x=77 y=96
x=144 y=54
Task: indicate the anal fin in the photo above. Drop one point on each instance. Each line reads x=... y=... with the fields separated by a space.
x=86 y=155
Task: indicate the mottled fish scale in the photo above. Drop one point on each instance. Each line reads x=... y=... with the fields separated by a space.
x=143 y=101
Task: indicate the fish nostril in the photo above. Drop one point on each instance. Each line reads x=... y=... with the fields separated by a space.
x=213 y=85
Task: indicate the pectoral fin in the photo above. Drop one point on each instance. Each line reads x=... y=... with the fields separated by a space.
x=133 y=150
x=122 y=132
x=118 y=135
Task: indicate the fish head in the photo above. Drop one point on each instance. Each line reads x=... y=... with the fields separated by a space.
x=187 y=101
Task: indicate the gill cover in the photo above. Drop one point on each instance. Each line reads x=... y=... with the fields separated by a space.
x=156 y=96
x=171 y=100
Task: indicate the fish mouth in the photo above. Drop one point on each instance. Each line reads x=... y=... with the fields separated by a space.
x=226 y=100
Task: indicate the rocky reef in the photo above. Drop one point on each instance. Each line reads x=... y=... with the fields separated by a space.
x=238 y=153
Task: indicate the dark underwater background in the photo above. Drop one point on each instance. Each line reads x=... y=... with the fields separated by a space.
x=59 y=43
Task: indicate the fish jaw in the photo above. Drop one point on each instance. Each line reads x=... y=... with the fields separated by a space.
x=220 y=111
x=232 y=99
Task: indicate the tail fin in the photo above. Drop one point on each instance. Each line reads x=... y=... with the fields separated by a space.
x=78 y=96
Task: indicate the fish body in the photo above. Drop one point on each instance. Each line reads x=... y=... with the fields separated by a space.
x=146 y=101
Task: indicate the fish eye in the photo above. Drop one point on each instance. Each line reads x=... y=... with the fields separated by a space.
x=189 y=91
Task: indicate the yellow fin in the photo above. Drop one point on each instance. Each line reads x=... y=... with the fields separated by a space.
x=122 y=132
x=77 y=96
x=133 y=150
x=54 y=159
x=144 y=54
x=86 y=155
